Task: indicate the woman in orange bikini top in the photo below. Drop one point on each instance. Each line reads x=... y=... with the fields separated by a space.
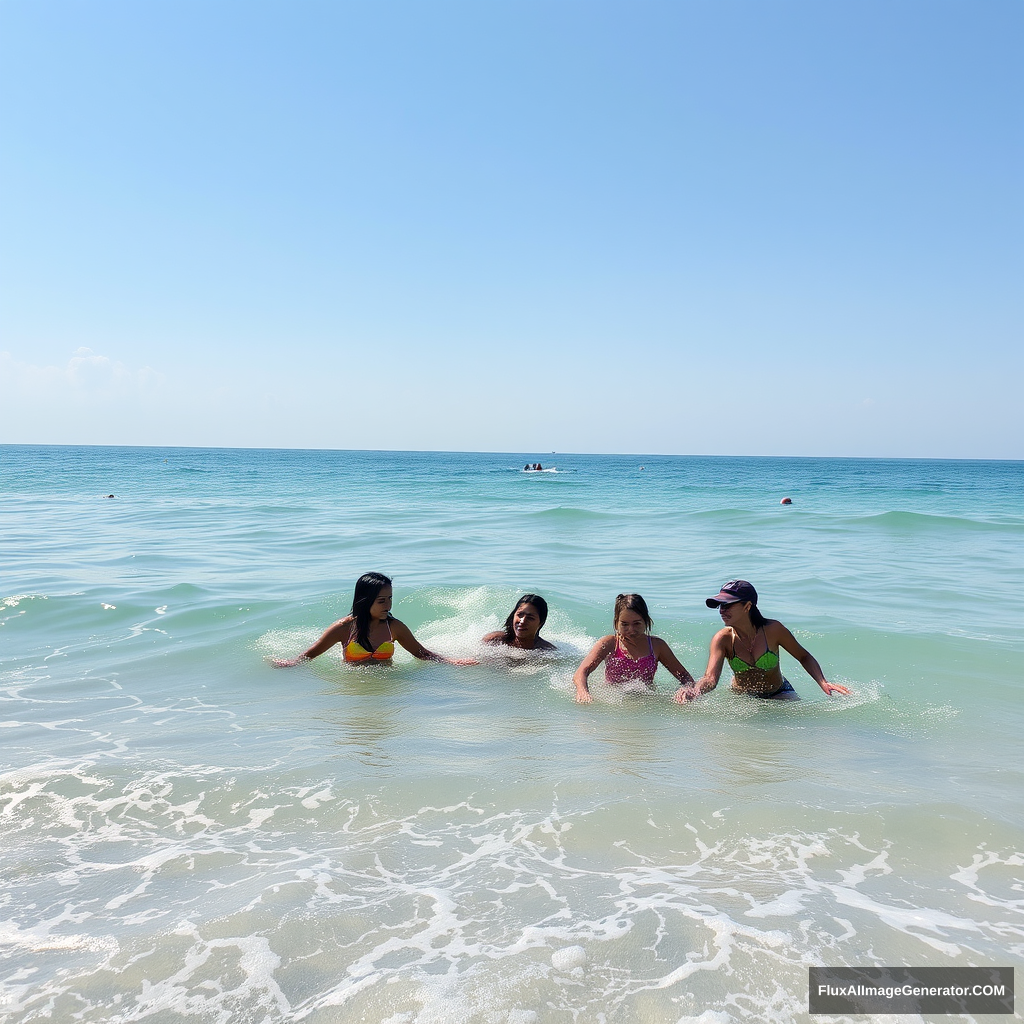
x=370 y=632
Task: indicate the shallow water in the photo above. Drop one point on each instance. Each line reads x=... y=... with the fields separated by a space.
x=190 y=832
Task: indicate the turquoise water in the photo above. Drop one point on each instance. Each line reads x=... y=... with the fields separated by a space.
x=192 y=834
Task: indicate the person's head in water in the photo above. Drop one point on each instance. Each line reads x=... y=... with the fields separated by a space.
x=526 y=620
x=632 y=618
x=371 y=600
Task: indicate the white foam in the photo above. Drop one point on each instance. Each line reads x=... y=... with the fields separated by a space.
x=38 y=939
x=16 y=599
x=522 y=1017
x=569 y=958
x=256 y=989
x=970 y=876
x=455 y=911
x=288 y=643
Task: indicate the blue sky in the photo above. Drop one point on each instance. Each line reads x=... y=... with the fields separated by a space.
x=715 y=227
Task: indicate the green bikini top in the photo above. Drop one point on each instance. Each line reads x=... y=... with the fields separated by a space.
x=767 y=661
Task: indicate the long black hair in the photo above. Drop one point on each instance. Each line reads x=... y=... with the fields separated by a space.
x=538 y=602
x=757 y=620
x=368 y=586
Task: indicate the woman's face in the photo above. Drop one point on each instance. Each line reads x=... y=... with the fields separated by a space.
x=381 y=607
x=735 y=611
x=526 y=623
x=630 y=624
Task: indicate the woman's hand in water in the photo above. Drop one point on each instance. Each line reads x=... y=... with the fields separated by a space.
x=831 y=688
x=686 y=694
x=584 y=697
x=461 y=661
x=286 y=662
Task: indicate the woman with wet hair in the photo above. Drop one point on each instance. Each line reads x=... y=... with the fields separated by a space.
x=750 y=643
x=523 y=625
x=630 y=654
x=369 y=633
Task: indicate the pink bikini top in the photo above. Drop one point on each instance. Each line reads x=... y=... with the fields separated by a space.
x=619 y=667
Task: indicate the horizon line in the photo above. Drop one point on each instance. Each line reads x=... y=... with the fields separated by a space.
x=453 y=451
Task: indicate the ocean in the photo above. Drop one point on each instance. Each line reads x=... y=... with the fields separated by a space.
x=192 y=834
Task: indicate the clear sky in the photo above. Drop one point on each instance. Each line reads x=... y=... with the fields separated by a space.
x=792 y=227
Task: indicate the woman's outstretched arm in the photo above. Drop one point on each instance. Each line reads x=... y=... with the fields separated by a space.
x=597 y=654
x=332 y=635
x=403 y=634
x=708 y=681
x=667 y=657
x=809 y=663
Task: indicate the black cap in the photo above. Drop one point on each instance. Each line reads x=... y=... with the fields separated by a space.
x=734 y=590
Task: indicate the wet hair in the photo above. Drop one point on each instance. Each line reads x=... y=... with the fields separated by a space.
x=368 y=587
x=632 y=603
x=757 y=620
x=538 y=602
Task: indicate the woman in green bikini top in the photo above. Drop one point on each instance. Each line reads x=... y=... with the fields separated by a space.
x=750 y=644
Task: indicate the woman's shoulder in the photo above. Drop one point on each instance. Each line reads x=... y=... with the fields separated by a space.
x=660 y=643
x=400 y=631
x=540 y=644
x=723 y=638
x=497 y=637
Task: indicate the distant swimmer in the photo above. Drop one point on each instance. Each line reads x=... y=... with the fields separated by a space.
x=527 y=468
x=523 y=625
x=538 y=467
x=786 y=501
x=109 y=495
x=370 y=632
x=630 y=654
x=750 y=644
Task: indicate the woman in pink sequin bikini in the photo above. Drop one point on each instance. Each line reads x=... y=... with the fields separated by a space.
x=630 y=654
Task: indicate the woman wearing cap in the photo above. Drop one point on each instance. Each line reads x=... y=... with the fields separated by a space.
x=750 y=643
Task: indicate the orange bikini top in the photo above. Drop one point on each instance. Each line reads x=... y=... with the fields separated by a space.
x=355 y=651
